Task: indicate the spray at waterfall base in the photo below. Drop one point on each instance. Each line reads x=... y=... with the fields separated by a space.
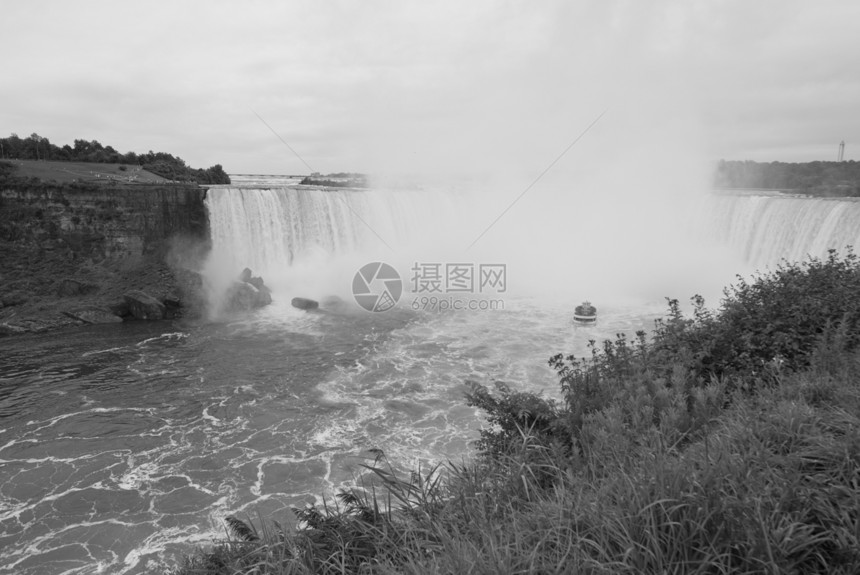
x=567 y=241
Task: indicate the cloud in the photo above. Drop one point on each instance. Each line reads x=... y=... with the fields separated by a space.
x=412 y=86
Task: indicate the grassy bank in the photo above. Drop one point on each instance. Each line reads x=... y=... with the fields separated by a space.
x=82 y=172
x=726 y=442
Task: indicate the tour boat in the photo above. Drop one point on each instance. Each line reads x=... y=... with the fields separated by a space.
x=585 y=313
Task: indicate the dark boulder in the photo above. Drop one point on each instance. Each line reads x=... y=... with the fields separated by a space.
x=144 y=306
x=248 y=293
x=264 y=297
x=304 y=303
x=120 y=309
x=172 y=306
x=171 y=301
x=257 y=282
x=243 y=296
x=247 y=276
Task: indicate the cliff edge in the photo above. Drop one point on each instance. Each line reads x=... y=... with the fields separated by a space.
x=69 y=252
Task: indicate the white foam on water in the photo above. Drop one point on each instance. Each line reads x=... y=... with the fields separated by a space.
x=137 y=476
x=166 y=337
x=101 y=351
x=278 y=317
x=407 y=395
x=337 y=434
x=210 y=418
x=157 y=543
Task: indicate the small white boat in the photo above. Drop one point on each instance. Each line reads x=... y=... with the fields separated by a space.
x=585 y=313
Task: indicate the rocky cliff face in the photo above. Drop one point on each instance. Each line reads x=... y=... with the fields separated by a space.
x=102 y=221
x=108 y=238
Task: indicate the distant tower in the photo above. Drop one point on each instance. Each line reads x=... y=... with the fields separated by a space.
x=841 y=151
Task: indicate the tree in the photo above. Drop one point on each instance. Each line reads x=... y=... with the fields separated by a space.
x=81 y=149
x=36 y=147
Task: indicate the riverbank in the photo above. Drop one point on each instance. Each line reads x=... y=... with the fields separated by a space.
x=83 y=172
x=44 y=289
x=728 y=441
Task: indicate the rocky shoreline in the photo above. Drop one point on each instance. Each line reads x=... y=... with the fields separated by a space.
x=43 y=289
x=70 y=253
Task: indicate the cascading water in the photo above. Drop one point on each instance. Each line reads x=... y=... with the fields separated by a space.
x=624 y=247
x=309 y=241
x=766 y=229
x=617 y=247
x=269 y=228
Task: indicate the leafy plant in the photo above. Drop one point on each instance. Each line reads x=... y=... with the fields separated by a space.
x=511 y=414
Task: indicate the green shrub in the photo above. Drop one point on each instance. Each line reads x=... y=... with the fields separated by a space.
x=511 y=414
x=763 y=327
x=780 y=316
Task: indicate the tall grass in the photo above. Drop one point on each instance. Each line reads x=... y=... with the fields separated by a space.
x=728 y=442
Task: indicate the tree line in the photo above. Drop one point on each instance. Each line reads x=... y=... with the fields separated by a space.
x=36 y=147
x=813 y=178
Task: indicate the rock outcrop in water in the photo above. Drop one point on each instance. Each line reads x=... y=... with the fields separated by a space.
x=144 y=306
x=304 y=303
x=249 y=292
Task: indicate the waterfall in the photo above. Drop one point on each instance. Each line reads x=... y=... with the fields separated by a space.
x=273 y=228
x=310 y=241
x=768 y=229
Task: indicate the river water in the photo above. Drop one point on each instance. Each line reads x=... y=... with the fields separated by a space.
x=124 y=446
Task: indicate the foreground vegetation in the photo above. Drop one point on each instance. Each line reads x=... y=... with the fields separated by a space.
x=727 y=442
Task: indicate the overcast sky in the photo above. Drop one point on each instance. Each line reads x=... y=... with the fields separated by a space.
x=407 y=86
